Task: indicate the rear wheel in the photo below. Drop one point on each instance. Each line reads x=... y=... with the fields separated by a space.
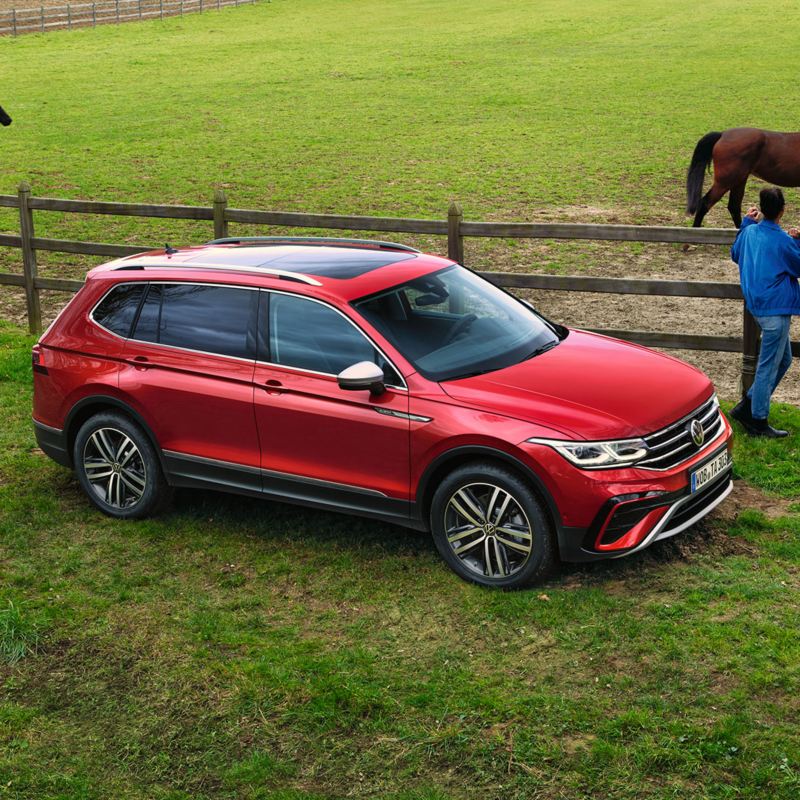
x=118 y=468
x=490 y=527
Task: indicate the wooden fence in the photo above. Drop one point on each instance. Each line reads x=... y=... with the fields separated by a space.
x=41 y=19
x=454 y=227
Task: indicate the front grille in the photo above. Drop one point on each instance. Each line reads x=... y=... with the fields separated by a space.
x=673 y=445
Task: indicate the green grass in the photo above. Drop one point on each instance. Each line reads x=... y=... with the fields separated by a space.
x=18 y=634
x=233 y=648
x=376 y=107
x=771 y=464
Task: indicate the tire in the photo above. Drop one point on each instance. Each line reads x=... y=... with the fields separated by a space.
x=118 y=468
x=516 y=542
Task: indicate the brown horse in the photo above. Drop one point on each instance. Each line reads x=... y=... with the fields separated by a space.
x=737 y=154
x=4 y=118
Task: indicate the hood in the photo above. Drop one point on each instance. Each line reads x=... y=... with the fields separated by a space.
x=590 y=387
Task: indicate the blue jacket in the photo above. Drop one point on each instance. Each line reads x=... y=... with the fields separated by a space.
x=769 y=266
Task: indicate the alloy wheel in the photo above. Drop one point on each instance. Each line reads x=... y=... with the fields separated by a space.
x=488 y=530
x=114 y=468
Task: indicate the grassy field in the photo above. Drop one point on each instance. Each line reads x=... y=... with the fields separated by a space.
x=243 y=649
x=369 y=106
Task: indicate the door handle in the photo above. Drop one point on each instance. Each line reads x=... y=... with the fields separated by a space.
x=141 y=362
x=273 y=386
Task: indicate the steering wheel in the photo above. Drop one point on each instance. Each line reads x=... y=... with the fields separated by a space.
x=459 y=328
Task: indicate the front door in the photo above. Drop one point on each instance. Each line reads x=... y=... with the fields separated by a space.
x=342 y=448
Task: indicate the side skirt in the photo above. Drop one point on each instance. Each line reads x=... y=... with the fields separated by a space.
x=195 y=472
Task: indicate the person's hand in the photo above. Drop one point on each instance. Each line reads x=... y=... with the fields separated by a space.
x=753 y=213
x=794 y=233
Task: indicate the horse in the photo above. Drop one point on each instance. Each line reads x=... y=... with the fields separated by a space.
x=4 y=118
x=738 y=153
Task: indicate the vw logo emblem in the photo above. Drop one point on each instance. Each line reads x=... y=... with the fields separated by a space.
x=697 y=433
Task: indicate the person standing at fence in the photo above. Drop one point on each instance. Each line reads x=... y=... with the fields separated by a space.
x=769 y=267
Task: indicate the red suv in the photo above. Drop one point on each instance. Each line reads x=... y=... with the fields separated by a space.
x=369 y=378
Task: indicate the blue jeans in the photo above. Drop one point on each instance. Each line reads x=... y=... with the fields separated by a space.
x=774 y=360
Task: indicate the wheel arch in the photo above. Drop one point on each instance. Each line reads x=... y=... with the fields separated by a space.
x=95 y=404
x=452 y=459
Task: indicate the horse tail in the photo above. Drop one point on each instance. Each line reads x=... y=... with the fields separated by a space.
x=694 y=178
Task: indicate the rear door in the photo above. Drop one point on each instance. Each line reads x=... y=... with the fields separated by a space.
x=189 y=366
x=347 y=446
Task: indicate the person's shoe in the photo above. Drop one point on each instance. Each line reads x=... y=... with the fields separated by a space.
x=761 y=427
x=742 y=411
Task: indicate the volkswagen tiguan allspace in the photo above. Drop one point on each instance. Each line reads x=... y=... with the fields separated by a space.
x=372 y=379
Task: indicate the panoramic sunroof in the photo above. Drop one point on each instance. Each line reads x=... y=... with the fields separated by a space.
x=327 y=262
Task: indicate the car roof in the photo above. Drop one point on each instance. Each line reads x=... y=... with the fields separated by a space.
x=343 y=268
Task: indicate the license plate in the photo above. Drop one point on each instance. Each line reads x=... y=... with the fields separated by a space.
x=710 y=470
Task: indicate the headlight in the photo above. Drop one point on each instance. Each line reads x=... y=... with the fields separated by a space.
x=599 y=455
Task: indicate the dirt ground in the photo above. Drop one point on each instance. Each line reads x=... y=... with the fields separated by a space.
x=575 y=309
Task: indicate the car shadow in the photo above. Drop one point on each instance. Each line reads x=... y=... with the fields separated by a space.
x=269 y=520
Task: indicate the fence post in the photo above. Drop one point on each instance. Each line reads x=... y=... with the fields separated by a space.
x=69 y=17
x=94 y=15
x=14 y=20
x=161 y=9
x=749 y=350
x=29 y=259
x=220 y=223
x=41 y=11
x=140 y=9
x=117 y=9
x=455 y=241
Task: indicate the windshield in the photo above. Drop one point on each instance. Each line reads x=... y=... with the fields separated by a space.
x=453 y=324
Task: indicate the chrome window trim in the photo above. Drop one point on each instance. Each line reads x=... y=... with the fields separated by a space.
x=273 y=473
x=403 y=388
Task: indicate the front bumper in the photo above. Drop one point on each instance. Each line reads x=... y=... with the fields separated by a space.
x=613 y=513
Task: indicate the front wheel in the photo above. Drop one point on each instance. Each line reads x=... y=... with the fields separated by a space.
x=118 y=468
x=490 y=528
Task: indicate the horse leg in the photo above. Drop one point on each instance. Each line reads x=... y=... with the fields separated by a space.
x=735 y=203
x=712 y=197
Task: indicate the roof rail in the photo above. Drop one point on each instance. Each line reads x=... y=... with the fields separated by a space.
x=282 y=274
x=318 y=240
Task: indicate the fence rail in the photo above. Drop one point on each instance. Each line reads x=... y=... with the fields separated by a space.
x=40 y=19
x=454 y=228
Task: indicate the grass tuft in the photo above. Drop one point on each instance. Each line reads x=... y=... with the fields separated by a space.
x=19 y=635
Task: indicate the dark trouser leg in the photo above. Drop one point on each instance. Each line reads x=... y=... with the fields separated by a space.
x=774 y=359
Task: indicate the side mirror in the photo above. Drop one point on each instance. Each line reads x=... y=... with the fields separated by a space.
x=361 y=377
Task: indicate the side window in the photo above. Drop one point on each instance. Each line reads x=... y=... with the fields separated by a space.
x=118 y=309
x=312 y=336
x=212 y=319
x=148 y=323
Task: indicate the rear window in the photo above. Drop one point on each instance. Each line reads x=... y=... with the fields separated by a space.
x=211 y=319
x=117 y=310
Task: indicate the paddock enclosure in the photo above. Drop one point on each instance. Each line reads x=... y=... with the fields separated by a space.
x=454 y=228
x=16 y=21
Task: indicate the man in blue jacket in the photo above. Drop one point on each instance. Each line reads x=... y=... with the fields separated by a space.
x=769 y=266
